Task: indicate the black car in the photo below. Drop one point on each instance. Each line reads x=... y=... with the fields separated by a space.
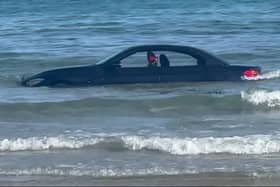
x=141 y=64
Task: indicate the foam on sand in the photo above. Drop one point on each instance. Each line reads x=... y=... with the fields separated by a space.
x=103 y=172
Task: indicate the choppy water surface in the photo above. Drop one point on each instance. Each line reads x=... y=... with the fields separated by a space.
x=138 y=130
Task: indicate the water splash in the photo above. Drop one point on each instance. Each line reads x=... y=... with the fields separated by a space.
x=262 y=97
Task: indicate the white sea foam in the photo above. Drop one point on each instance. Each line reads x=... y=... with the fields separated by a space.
x=268 y=75
x=104 y=172
x=44 y=143
x=255 y=144
x=269 y=98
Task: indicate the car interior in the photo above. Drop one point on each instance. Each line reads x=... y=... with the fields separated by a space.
x=162 y=59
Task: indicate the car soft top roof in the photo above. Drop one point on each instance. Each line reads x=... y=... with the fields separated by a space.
x=203 y=57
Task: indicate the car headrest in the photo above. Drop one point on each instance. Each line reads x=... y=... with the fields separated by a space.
x=164 y=62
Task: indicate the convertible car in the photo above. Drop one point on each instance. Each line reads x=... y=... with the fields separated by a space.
x=148 y=68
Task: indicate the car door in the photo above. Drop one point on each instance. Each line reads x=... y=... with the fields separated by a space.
x=183 y=73
x=121 y=75
x=218 y=73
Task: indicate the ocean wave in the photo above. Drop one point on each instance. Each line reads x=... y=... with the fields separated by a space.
x=103 y=172
x=88 y=106
x=45 y=143
x=51 y=95
x=253 y=144
x=262 y=97
x=267 y=75
x=9 y=80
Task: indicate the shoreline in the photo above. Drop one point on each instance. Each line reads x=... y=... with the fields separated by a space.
x=200 y=179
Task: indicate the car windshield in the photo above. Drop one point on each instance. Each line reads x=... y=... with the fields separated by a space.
x=106 y=59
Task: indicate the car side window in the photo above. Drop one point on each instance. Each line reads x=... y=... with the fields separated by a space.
x=175 y=59
x=134 y=60
x=163 y=59
x=141 y=59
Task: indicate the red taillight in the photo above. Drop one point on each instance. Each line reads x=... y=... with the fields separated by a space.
x=250 y=73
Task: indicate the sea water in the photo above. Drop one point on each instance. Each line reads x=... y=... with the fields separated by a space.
x=142 y=129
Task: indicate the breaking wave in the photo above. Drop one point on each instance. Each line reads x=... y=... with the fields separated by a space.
x=45 y=143
x=253 y=144
x=104 y=172
x=262 y=97
x=257 y=144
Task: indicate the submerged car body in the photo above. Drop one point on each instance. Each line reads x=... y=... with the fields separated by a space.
x=110 y=71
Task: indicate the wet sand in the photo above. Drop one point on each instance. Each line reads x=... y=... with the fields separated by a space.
x=202 y=179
